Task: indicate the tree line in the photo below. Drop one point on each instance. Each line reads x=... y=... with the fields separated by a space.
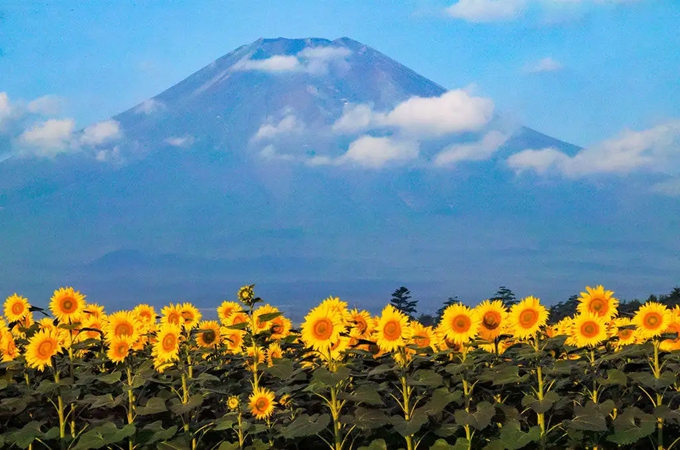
x=404 y=302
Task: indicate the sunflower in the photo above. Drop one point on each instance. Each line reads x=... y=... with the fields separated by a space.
x=209 y=334
x=624 y=329
x=527 y=317
x=337 y=306
x=280 y=327
x=460 y=323
x=321 y=328
x=494 y=316
x=94 y=310
x=599 y=302
x=8 y=347
x=337 y=350
x=261 y=403
x=423 y=336
x=589 y=330
x=92 y=327
x=190 y=316
x=46 y=324
x=122 y=323
x=166 y=348
x=20 y=327
x=237 y=318
x=233 y=402
x=16 y=308
x=171 y=314
x=503 y=345
x=362 y=323
x=42 y=346
x=119 y=348
x=67 y=304
x=274 y=352
x=246 y=294
x=393 y=330
x=263 y=325
x=233 y=339
x=651 y=320
x=669 y=345
x=226 y=309
x=145 y=313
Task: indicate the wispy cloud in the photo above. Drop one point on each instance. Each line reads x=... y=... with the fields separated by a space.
x=49 y=138
x=476 y=151
x=101 y=132
x=372 y=152
x=654 y=149
x=289 y=124
x=149 y=106
x=481 y=11
x=48 y=105
x=547 y=64
x=314 y=60
x=180 y=141
x=670 y=187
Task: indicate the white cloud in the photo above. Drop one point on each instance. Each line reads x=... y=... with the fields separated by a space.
x=48 y=138
x=476 y=151
x=289 y=124
x=149 y=106
x=313 y=60
x=487 y=10
x=112 y=155
x=100 y=132
x=654 y=149
x=354 y=118
x=670 y=187
x=180 y=141
x=269 y=153
x=5 y=109
x=540 y=160
x=547 y=64
x=48 y=105
x=453 y=112
x=374 y=152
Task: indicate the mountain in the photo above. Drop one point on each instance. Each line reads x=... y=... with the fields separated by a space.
x=258 y=169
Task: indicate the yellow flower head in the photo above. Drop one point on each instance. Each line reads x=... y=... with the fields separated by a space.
x=209 y=334
x=42 y=346
x=94 y=310
x=527 y=317
x=338 y=307
x=90 y=326
x=171 y=314
x=16 y=308
x=260 y=324
x=119 y=348
x=166 y=348
x=589 y=330
x=145 y=314
x=623 y=329
x=261 y=403
x=337 y=350
x=494 y=316
x=122 y=323
x=459 y=323
x=67 y=304
x=8 y=346
x=226 y=309
x=322 y=328
x=362 y=324
x=190 y=316
x=246 y=294
x=233 y=340
x=274 y=352
x=280 y=327
x=651 y=320
x=233 y=402
x=599 y=302
x=423 y=336
x=393 y=329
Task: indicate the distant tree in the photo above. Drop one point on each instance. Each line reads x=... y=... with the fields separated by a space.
x=672 y=299
x=427 y=320
x=506 y=296
x=560 y=310
x=450 y=301
x=627 y=308
x=401 y=300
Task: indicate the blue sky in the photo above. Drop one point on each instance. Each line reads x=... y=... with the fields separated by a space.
x=606 y=65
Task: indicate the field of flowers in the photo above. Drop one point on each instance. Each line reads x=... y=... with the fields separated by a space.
x=488 y=377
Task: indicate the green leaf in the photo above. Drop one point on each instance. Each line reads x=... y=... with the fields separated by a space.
x=541 y=406
x=439 y=400
x=410 y=427
x=380 y=370
x=588 y=418
x=427 y=378
x=366 y=418
x=646 y=379
x=268 y=317
x=305 y=425
x=179 y=408
x=513 y=438
x=366 y=394
x=614 y=377
x=480 y=419
x=447 y=430
x=109 y=378
x=632 y=425
x=283 y=369
x=441 y=444
x=155 y=405
x=25 y=436
x=228 y=446
x=155 y=432
x=46 y=387
x=378 y=444
x=503 y=374
x=330 y=379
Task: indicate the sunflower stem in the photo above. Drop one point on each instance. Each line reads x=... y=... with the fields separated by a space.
x=131 y=404
x=659 y=396
x=406 y=395
x=241 y=435
x=540 y=393
x=467 y=393
x=60 y=407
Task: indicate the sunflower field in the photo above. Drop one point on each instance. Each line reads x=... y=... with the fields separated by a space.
x=488 y=377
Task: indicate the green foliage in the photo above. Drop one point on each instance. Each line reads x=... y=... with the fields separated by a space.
x=401 y=300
